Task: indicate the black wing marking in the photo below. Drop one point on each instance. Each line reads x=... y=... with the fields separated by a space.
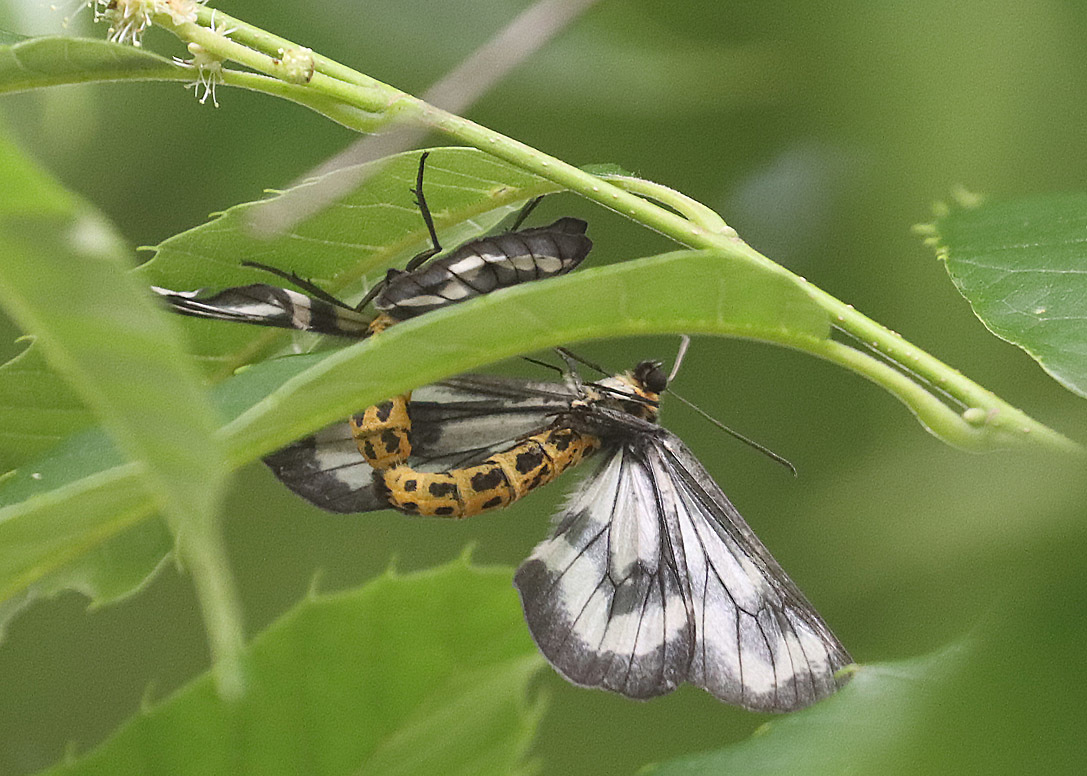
x=454 y=423
x=265 y=305
x=653 y=578
x=328 y=470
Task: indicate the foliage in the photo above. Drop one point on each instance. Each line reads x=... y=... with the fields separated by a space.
x=409 y=673
x=1020 y=265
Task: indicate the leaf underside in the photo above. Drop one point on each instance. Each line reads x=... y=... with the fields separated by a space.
x=1022 y=265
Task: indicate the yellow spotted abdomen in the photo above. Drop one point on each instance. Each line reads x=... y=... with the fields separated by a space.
x=383 y=432
x=498 y=481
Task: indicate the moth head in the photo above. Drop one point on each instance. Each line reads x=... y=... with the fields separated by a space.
x=649 y=376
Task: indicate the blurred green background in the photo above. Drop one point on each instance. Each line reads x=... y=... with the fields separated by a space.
x=822 y=134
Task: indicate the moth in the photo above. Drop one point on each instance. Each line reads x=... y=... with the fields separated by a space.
x=650 y=577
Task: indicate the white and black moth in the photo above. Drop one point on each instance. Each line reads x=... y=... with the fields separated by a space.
x=650 y=578
x=426 y=283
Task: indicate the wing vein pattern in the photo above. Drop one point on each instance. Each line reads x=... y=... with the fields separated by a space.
x=652 y=578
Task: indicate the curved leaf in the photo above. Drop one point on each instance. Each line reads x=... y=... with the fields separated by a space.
x=1021 y=265
x=31 y=63
x=425 y=673
x=685 y=291
x=95 y=535
x=37 y=409
x=64 y=279
x=277 y=401
x=81 y=519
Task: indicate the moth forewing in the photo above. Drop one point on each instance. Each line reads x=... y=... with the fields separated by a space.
x=652 y=578
x=627 y=634
x=265 y=305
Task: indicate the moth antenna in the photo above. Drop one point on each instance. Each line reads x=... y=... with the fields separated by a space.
x=736 y=434
x=306 y=285
x=569 y=356
x=684 y=343
x=544 y=364
x=571 y=370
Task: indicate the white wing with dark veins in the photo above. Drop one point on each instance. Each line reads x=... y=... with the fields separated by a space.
x=652 y=578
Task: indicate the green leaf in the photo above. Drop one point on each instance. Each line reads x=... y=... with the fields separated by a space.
x=277 y=401
x=419 y=674
x=63 y=279
x=32 y=63
x=1020 y=264
x=96 y=536
x=375 y=225
x=80 y=519
x=858 y=730
x=37 y=409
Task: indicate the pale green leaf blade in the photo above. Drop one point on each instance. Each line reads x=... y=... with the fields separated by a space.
x=37 y=409
x=64 y=279
x=80 y=519
x=277 y=401
x=421 y=674
x=97 y=535
x=1022 y=265
x=375 y=225
x=32 y=63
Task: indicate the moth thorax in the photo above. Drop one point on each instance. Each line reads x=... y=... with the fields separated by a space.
x=630 y=394
x=380 y=323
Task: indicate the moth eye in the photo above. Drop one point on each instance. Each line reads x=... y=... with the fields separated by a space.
x=650 y=375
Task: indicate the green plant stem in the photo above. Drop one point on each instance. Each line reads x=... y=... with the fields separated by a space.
x=691 y=209
x=343 y=113
x=373 y=97
x=1000 y=423
x=274 y=46
x=1007 y=423
x=204 y=555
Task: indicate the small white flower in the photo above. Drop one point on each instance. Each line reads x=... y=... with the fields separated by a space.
x=129 y=18
x=209 y=73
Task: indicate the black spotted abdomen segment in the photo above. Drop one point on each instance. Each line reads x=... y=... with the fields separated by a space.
x=455 y=493
x=383 y=432
x=485 y=265
x=497 y=482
